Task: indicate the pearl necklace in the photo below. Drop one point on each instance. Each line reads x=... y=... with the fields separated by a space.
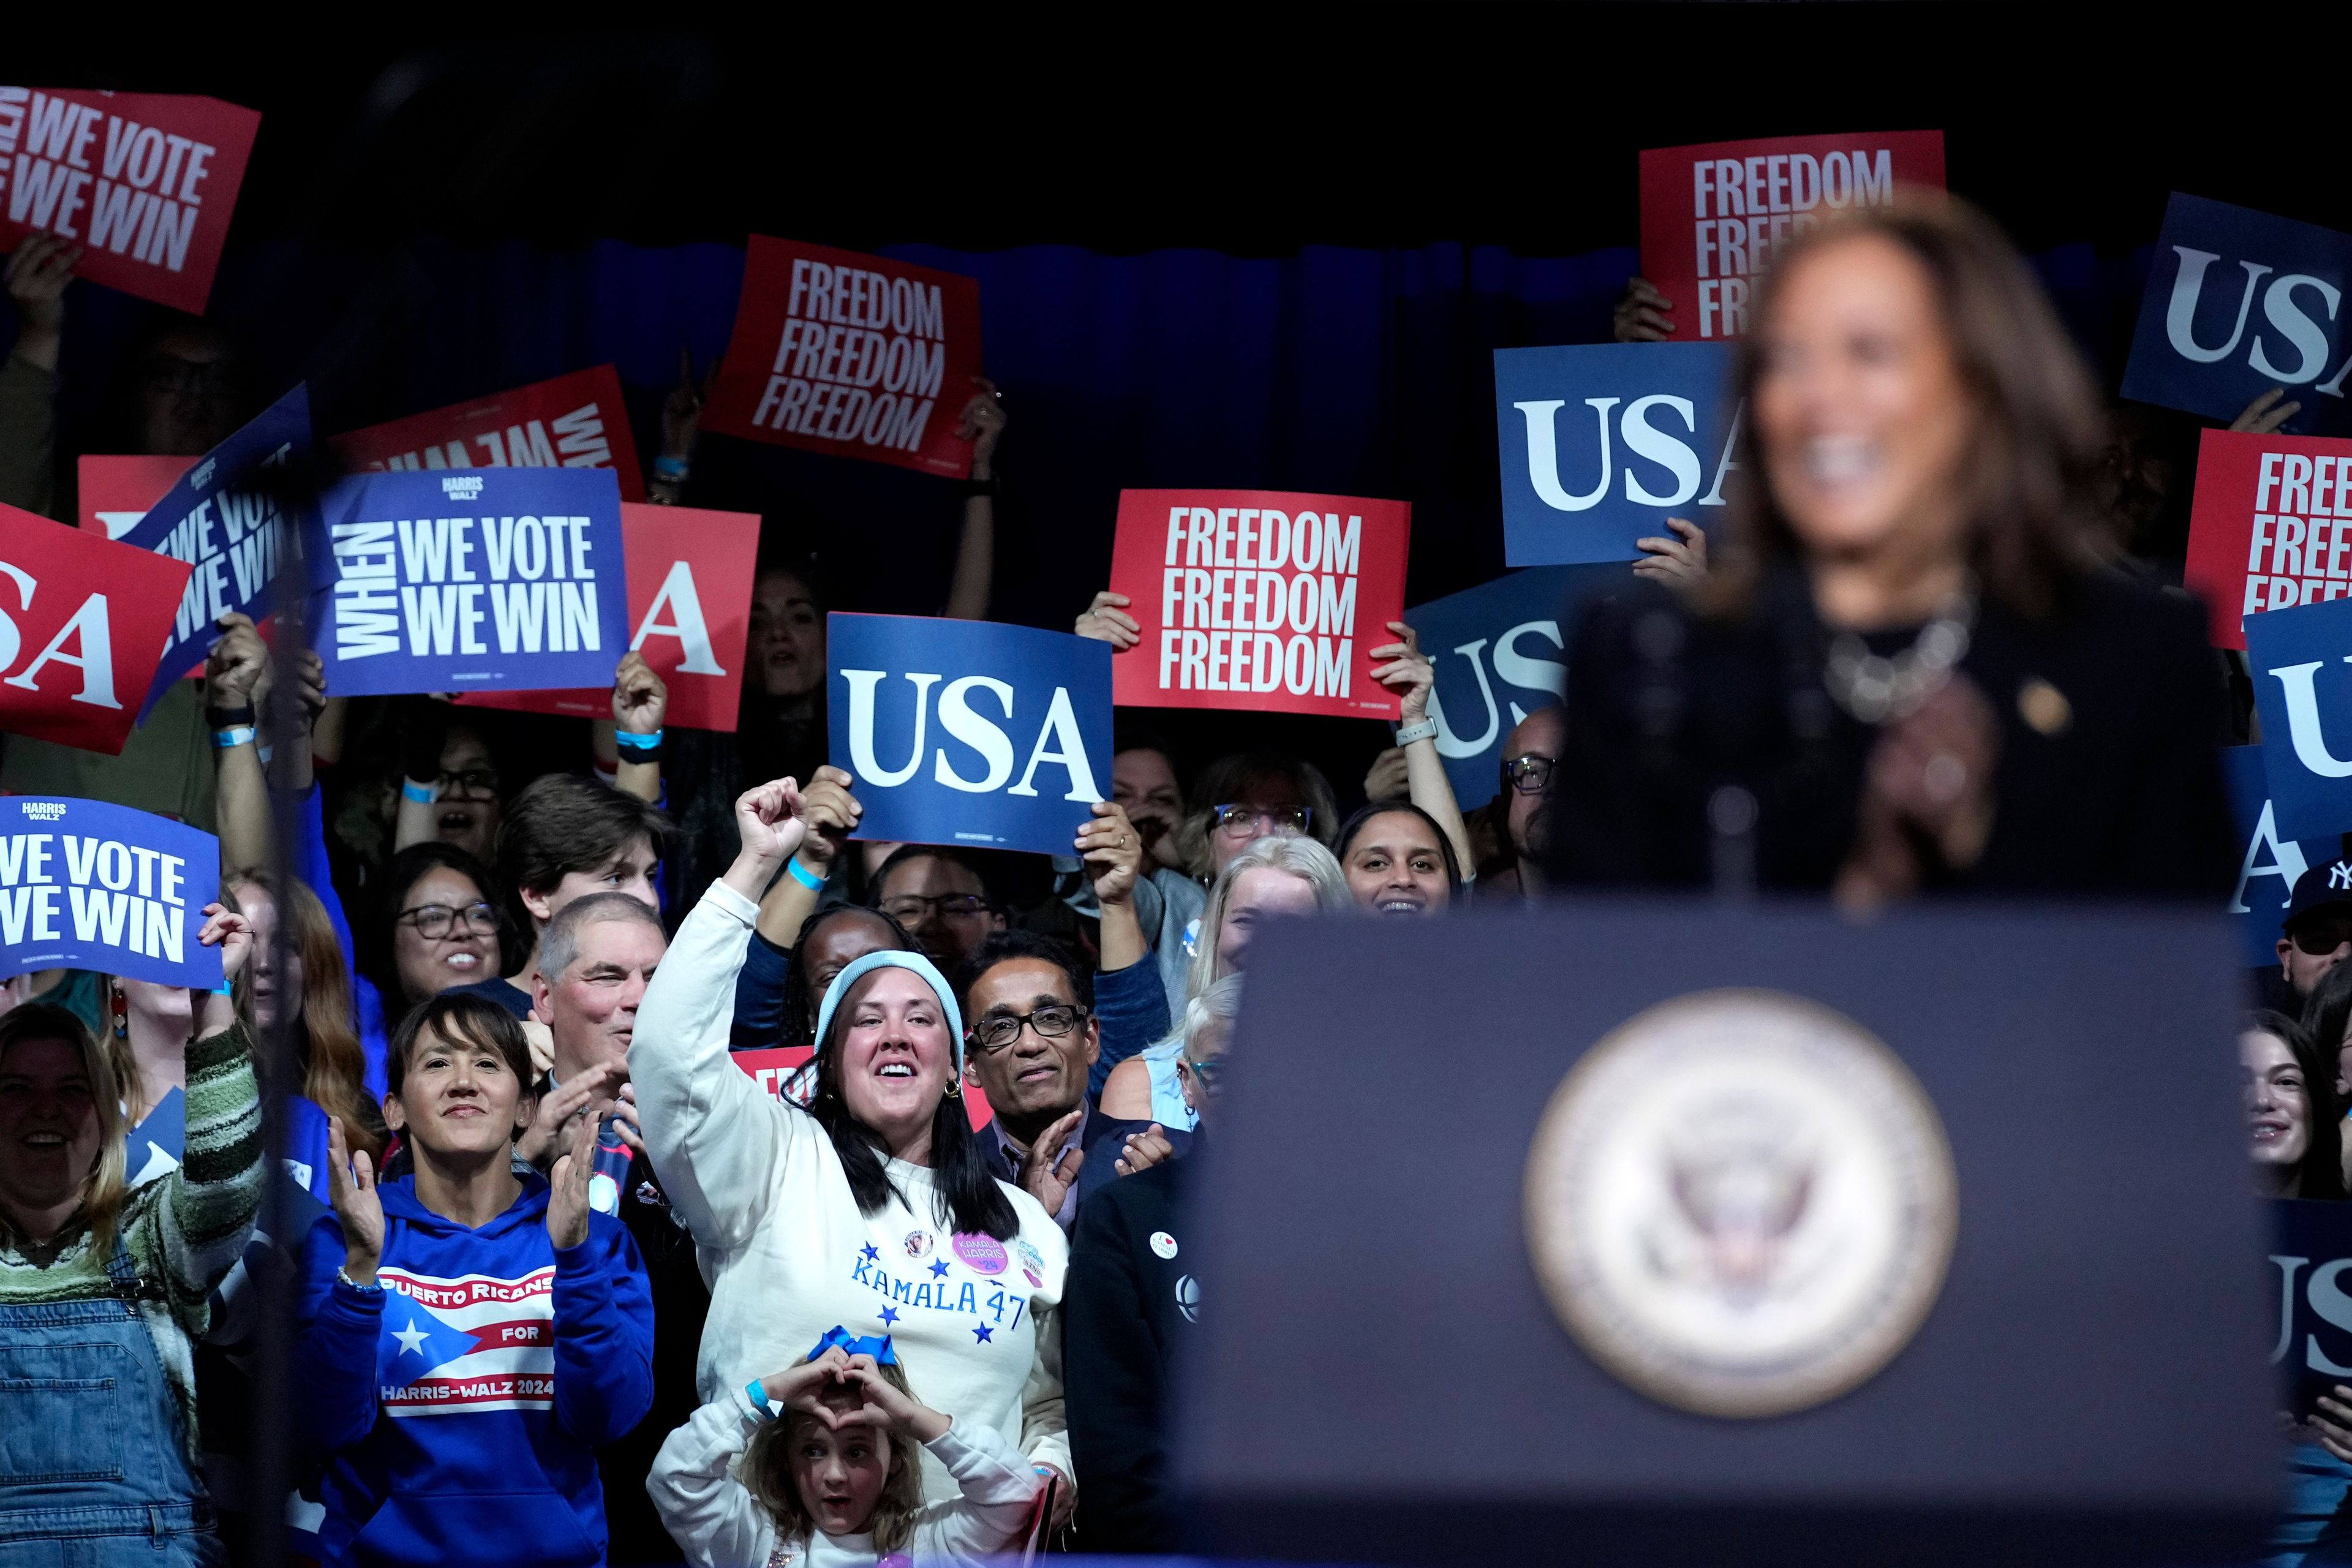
x=1876 y=689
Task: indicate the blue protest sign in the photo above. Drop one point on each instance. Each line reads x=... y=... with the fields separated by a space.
x=1602 y=442
x=1499 y=653
x=85 y=884
x=968 y=732
x=222 y=516
x=2201 y=343
x=2311 y=1252
x=2301 y=661
x=493 y=579
x=2269 y=868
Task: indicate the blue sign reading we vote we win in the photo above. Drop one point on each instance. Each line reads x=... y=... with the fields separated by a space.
x=87 y=885
x=1602 y=442
x=491 y=580
x=968 y=732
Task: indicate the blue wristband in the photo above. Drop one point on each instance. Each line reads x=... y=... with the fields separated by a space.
x=803 y=876
x=223 y=988
x=421 y=793
x=629 y=741
x=759 y=1399
x=235 y=735
x=671 y=469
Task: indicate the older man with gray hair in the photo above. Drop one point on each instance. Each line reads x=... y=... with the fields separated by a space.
x=594 y=959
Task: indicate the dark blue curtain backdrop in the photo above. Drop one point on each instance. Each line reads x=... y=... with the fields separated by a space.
x=1350 y=371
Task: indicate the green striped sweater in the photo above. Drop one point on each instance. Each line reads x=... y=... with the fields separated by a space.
x=185 y=1231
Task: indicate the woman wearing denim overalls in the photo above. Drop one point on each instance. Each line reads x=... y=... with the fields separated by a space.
x=102 y=1288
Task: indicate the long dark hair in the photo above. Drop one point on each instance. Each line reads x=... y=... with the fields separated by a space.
x=407 y=869
x=2322 y=1172
x=800 y=999
x=965 y=1197
x=2030 y=478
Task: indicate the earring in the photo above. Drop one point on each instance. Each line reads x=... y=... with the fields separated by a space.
x=955 y=1088
x=120 y=1005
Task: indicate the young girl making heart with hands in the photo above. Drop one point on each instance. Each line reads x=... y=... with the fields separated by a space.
x=831 y=1471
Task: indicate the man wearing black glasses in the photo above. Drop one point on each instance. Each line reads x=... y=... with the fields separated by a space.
x=1529 y=753
x=1032 y=1040
x=939 y=896
x=2316 y=934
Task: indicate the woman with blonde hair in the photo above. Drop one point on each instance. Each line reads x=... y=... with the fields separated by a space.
x=1277 y=876
x=1911 y=669
x=103 y=1286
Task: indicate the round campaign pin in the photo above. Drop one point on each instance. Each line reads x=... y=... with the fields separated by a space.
x=1741 y=1203
x=981 y=1253
x=919 y=1243
x=1163 y=1243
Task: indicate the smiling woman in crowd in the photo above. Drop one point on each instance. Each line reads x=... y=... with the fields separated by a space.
x=2291 y=1128
x=1909 y=670
x=1278 y=877
x=105 y=1286
x=436 y=926
x=873 y=1208
x=1399 y=861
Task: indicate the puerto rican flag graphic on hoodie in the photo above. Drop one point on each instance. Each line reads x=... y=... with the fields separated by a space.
x=455 y=1346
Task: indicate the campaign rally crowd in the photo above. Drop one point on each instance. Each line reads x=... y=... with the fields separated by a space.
x=676 y=1174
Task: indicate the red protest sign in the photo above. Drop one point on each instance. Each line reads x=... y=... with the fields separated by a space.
x=83 y=621
x=117 y=491
x=2270 y=527
x=1712 y=216
x=1258 y=599
x=774 y=1068
x=146 y=181
x=853 y=354
x=691 y=576
x=574 y=421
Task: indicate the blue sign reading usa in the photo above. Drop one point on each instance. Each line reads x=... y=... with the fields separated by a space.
x=1602 y=442
x=2301 y=660
x=969 y=732
x=1500 y=650
x=2240 y=301
x=2270 y=864
x=492 y=580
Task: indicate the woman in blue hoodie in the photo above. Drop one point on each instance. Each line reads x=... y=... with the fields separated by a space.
x=472 y=1333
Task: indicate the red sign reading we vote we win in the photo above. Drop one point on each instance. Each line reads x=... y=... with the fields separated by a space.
x=857 y=356
x=2270 y=526
x=1258 y=599
x=145 y=181
x=1713 y=215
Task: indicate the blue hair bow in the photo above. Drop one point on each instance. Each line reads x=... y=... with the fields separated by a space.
x=878 y=1347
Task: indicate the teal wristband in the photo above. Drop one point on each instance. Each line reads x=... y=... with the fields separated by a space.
x=803 y=876
x=235 y=735
x=629 y=740
x=759 y=1399
x=223 y=988
x=421 y=793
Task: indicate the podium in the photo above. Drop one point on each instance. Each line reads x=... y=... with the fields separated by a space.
x=1387 y=1373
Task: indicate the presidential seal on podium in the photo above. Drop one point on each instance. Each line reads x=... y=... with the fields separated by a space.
x=1741 y=1203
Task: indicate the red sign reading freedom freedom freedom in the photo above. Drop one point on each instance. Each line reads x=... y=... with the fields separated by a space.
x=2270 y=526
x=690 y=574
x=1258 y=599
x=83 y=621
x=146 y=181
x=857 y=356
x=574 y=421
x=1713 y=215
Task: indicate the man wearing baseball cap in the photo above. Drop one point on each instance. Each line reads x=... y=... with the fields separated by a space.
x=2317 y=933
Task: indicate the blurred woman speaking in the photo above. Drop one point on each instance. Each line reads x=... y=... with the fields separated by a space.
x=1913 y=670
